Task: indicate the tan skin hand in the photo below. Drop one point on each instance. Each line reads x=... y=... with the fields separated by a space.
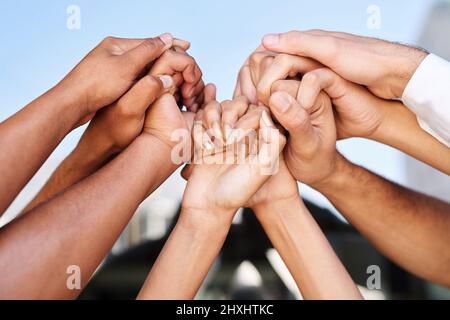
x=116 y=126
x=112 y=68
x=225 y=187
x=385 y=68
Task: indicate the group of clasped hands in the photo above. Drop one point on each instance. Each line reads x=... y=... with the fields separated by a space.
x=296 y=95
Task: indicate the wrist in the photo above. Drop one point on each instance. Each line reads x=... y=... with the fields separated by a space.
x=405 y=69
x=279 y=208
x=342 y=170
x=72 y=98
x=206 y=220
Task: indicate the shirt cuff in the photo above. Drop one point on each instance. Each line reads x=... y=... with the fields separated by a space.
x=428 y=96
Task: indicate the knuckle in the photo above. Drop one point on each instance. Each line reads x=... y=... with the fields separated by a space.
x=284 y=59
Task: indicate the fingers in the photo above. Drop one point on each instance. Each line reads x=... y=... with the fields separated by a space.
x=199 y=135
x=231 y=112
x=181 y=44
x=282 y=67
x=147 y=51
x=137 y=100
x=289 y=86
x=212 y=116
x=210 y=92
x=272 y=143
x=321 y=46
x=293 y=118
x=245 y=86
x=174 y=62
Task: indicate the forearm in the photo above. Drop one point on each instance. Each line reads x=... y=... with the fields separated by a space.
x=317 y=270
x=401 y=130
x=29 y=137
x=410 y=228
x=81 y=163
x=79 y=226
x=186 y=257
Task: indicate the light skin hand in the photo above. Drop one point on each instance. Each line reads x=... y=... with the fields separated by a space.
x=385 y=68
x=358 y=113
x=116 y=126
x=213 y=195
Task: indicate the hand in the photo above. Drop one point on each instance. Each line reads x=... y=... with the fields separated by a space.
x=111 y=69
x=117 y=125
x=281 y=185
x=216 y=181
x=385 y=68
x=311 y=149
x=358 y=113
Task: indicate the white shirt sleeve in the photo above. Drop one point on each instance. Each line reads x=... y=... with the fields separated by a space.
x=428 y=96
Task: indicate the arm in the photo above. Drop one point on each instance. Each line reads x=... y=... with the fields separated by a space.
x=358 y=113
x=116 y=126
x=389 y=70
x=187 y=255
x=35 y=253
x=216 y=189
x=317 y=270
x=28 y=137
x=80 y=225
x=382 y=211
x=410 y=228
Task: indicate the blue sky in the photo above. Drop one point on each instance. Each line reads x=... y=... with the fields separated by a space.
x=38 y=49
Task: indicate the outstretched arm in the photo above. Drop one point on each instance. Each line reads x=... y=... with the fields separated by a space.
x=409 y=227
x=79 y=226
x=28 y=137
x=316 y=269
x=116 y=126
x=215 y=191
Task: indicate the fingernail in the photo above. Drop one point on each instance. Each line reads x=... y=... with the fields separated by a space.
x=271 y=40
x=166 y=38
x=167 y=81
x=281 y=102
x=266 y=119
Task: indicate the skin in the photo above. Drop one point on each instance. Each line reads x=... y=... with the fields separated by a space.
x=213 y=195
x=382 y=211
x=317 y=270
x=114 y=127
x=102 y=77
x=35 y=253
x=358 y=112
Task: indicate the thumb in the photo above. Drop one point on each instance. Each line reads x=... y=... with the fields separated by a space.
x=148 y=50
x=294 y=118
x=289 y=113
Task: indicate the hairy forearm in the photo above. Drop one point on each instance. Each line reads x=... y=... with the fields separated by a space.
x=28 y=138
x=80 y=225
x=401 y=130
x=317 y=270
x=187 y=256
x=410 y=228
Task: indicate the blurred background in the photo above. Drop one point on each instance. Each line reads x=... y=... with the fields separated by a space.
x=42 y=43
